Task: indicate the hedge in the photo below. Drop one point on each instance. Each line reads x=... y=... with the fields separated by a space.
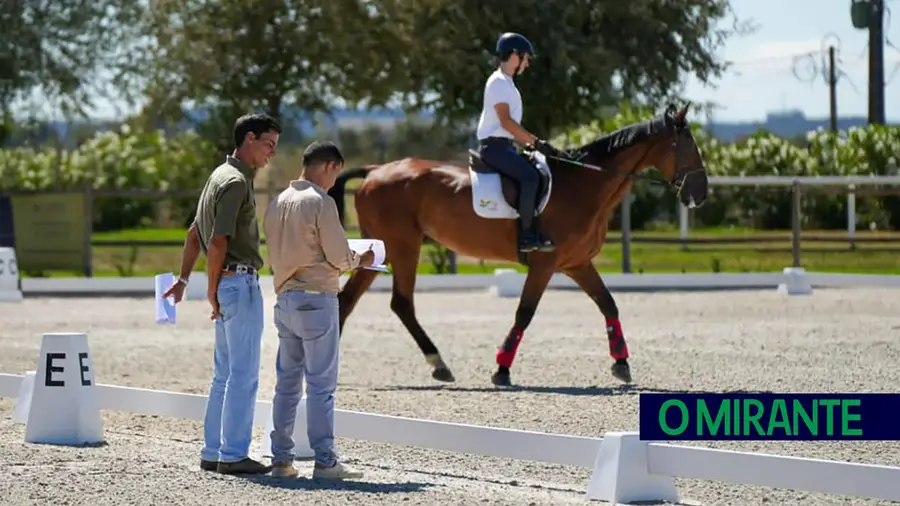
x=120 y=159
x=127 y=159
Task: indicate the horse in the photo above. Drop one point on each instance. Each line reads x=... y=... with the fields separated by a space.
x=471 y=210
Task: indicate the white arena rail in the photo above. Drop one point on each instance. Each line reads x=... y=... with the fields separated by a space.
x=503 y=283
x=625 y=469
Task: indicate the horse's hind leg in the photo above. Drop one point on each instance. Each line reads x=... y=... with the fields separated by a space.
x=587 y=277
x=404 y=259
x=536 y=281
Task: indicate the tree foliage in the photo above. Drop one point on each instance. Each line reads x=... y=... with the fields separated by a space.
x=591 y=54
x=56 y=47
x=226 y=57
x=232 y=56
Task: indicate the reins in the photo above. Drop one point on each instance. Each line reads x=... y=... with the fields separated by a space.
x=676 y=183
x=630 y=174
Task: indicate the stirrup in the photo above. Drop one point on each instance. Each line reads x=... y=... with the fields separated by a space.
x=539 y=241
x=542 y=243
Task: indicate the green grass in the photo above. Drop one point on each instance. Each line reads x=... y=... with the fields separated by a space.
x=832 y=256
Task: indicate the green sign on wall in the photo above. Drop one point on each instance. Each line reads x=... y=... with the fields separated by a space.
x=49 y=231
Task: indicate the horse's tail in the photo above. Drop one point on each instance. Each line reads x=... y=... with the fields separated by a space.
x=337 y=191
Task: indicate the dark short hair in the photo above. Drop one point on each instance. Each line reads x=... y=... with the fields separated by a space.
x=258 y=123
x=319 y=152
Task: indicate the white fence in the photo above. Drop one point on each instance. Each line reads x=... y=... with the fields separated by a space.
x=60 y=403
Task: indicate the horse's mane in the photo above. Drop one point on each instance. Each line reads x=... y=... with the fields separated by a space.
x=625 y=137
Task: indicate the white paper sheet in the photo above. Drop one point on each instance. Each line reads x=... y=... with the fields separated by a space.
x=377 y=246
x=165 y=307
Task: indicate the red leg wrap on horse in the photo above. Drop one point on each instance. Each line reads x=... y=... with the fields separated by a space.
x=618 y=349
x=507 y=353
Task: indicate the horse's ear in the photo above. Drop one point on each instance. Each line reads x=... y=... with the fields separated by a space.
x=679 y=117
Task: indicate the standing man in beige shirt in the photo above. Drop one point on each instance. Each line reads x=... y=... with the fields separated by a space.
x=308 y=251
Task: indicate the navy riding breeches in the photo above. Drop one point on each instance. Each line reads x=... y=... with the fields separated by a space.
x=499 y=153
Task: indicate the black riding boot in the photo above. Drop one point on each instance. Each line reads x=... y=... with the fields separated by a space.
x=530 y=238
x=526 y=237
x=541 y=241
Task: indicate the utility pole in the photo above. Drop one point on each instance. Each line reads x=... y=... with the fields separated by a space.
x=869 y=15
x=876 y=62
x=832 y=90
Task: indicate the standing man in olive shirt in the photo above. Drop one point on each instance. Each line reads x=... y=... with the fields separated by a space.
x=226 y=229
x=308 y=251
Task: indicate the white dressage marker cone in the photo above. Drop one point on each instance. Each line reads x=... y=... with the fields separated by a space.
x=23 y=401
x=64 y=407
x=9 y=276
x=301 y=440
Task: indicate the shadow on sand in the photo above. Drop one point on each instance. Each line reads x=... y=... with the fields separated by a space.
x=304 y=483
x=631 y=389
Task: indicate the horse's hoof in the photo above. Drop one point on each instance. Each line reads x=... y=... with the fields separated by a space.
x=501 y=379
x=443 y=374
x=622 y=371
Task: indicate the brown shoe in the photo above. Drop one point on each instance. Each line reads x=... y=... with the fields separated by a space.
x=209 y=465
x=245 y=466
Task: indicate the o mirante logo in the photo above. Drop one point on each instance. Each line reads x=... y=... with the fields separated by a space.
x=769 y=416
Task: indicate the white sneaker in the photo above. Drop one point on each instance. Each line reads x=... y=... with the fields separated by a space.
x=284 y=470
x=337 y=472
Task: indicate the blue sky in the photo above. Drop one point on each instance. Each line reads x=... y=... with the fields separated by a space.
x=762 y=76
x=762 y=80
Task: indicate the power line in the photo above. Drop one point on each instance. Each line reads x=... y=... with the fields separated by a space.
x=888 y=43
x=809 y=66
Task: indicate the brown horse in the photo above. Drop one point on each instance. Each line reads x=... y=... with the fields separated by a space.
x=467 y=209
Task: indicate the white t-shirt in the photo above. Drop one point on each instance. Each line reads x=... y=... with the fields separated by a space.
x=499 y=88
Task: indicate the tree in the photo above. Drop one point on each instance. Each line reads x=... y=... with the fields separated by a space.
x=591 y=53
x=232 y=56
x=57 y=47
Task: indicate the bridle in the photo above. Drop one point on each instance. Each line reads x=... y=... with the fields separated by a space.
x=677 y=181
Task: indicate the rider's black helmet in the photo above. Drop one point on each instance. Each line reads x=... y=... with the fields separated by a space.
x=510 y=43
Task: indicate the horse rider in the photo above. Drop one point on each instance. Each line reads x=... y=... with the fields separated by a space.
x=500 y=124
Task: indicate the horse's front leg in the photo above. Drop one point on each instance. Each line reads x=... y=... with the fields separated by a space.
x=539 y=274
x=587 y=277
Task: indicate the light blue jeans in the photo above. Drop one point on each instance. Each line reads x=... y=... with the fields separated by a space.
x=228 y=425
x=308 y=345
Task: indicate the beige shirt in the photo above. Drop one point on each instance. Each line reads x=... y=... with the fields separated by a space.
x=307 y=245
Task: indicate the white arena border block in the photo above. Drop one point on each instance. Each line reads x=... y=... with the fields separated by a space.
x=795 y=282
x=10 y=290
x=630 y=470
x=625 y=469
x=503 y=283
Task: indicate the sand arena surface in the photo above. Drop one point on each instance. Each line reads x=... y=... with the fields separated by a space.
x=832 y=341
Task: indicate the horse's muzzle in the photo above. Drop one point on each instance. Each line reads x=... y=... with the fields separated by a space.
x=693 y=188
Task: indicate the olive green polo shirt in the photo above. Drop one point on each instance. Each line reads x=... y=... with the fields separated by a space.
x=227 y=206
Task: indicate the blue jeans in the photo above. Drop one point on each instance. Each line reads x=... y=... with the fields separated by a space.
x=228 y=425
x=308 y=345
